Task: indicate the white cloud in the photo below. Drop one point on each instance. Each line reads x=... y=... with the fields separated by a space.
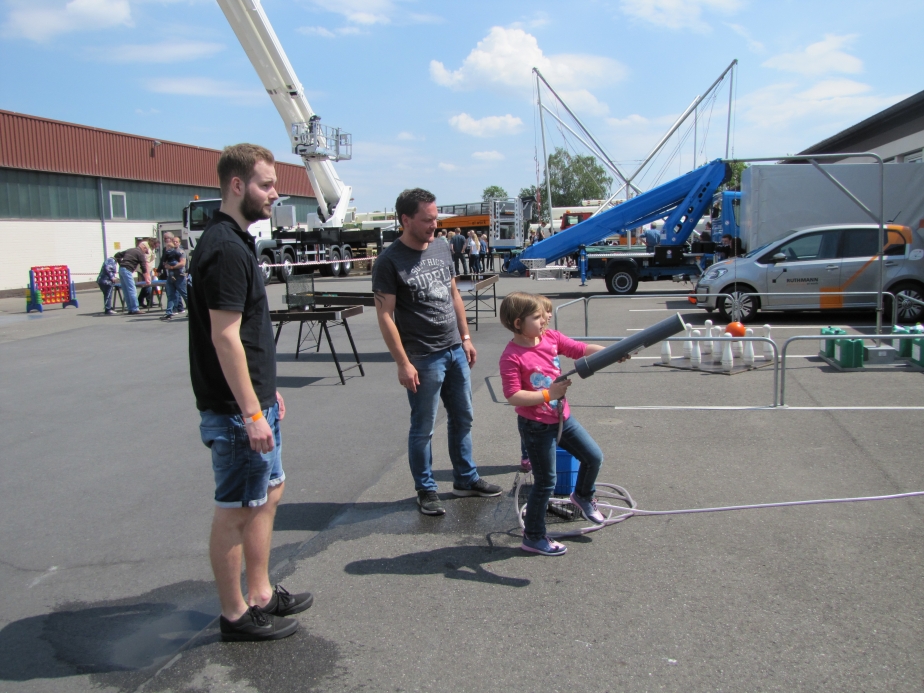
x=633 y=120
x=537 y=21
x=420 y=18
x=447 y=167
x=207 y=88
x=678 y=14
x=164 y=52
x=504 y=59
x=42 y=22
x=410 y=137
x=489 y=126
x=364 y=12
x=316 y=31
x=822 y=58
x=753 y=45
x=488 y=156
x=786 y=117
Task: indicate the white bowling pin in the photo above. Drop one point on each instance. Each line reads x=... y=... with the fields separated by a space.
x=666 y=352
x=748 y=348
x=707 y=345
x=717 y=347
x=737 y=349
x=687 y=344
x=696 y=356
x=728 y=358
x=768 y=348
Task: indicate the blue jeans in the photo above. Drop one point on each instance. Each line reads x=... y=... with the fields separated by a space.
x=242 y=476
x=176 y=292
x=443 y=375
x=540 y=444
x=129 y=294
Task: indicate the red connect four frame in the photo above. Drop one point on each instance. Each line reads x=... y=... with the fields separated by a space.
x=50 y=284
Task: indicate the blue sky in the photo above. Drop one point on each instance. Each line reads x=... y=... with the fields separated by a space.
x=440 y=94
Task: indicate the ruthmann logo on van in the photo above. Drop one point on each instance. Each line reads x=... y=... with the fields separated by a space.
x=803 y=280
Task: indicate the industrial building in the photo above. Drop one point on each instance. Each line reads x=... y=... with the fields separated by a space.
x=74 y=195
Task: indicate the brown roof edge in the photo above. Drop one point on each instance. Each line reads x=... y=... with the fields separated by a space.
x=41 y=144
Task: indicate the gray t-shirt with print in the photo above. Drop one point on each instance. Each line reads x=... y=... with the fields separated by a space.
x=421 y=282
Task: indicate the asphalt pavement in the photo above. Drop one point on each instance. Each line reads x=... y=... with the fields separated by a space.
x=106 y=504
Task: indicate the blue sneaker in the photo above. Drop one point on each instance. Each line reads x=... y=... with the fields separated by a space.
x=544 y=546
x=588 y=508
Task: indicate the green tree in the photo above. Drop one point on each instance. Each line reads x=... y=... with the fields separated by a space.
x=575 y=178
x=493 y=191
x=734 y=182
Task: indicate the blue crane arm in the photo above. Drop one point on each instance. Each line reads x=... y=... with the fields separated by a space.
x=682 y=201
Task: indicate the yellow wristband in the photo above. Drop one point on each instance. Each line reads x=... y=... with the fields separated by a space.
x=253 y=419
x=545 y=396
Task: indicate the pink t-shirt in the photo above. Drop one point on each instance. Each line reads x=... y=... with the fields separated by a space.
x=535 y=368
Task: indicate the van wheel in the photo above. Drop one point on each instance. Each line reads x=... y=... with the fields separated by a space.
x=907 y=310
x=741 y=306
x=347 y=265
x=621 y=280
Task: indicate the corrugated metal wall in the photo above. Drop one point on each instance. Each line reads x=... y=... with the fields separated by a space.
x=38 y=144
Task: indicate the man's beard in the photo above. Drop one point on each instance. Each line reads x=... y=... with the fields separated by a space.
x=252 y=209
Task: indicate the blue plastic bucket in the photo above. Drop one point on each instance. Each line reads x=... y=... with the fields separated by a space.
x=566 y=471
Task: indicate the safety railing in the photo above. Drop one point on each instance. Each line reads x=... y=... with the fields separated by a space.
x=716 y=341
x=587 y=299
x=817 y=338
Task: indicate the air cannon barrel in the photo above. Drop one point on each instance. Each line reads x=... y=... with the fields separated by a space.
x=588 y=365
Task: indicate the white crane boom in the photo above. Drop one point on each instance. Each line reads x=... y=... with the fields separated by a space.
x=317 y=145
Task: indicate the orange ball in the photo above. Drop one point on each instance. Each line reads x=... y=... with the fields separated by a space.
x=735 y=329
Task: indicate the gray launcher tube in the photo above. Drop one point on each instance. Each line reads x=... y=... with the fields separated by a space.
x=588 y=365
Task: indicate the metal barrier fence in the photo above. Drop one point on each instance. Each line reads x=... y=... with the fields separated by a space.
x=779 y=355
x=587 y=299
x=816 y=338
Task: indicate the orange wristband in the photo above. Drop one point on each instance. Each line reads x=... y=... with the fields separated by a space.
x=545 y=396
x=253 y=419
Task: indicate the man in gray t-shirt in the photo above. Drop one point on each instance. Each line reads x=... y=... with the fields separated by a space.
x=423 y=322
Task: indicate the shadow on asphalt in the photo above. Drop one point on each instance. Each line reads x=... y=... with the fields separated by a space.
x=119 y=642
x=454 y=562
x=108 y=637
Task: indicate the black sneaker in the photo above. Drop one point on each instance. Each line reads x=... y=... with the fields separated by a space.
x=284 y=604
x=430 y=503
x=256 y=625
x=479 y=488
x=166 y=317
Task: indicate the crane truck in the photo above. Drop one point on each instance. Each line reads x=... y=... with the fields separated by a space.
x=325 y=242
x=680 y=202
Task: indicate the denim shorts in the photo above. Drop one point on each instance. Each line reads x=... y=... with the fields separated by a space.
x=242 y=476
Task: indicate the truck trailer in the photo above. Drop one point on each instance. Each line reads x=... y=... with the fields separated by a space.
x=777 y=199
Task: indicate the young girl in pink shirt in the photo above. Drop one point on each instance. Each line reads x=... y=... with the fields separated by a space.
x=529 y=367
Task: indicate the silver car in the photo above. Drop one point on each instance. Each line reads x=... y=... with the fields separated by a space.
x=812 y=267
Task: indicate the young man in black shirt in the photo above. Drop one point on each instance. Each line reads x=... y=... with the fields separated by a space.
x=232 y=361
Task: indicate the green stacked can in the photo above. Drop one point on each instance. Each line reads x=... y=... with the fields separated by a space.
x=827 y=345
x=904 y=345
x=917 y=350
x=848 y=353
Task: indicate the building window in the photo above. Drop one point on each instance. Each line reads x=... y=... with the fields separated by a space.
x=117 y=206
